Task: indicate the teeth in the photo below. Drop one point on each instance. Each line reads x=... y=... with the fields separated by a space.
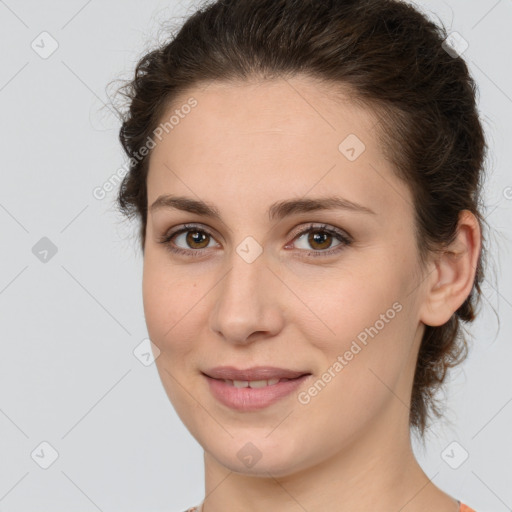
x=257 y=383
x=252 y=383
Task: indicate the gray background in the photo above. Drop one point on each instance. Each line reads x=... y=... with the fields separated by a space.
x=70 y=324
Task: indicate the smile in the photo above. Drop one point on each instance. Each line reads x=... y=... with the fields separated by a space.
x=253 y=395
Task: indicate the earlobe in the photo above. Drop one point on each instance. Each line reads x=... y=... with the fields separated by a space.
x=453 y=279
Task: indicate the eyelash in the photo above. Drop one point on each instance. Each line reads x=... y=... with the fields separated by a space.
x=322 y=228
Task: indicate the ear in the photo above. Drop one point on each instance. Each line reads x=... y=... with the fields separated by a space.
x=452 y=280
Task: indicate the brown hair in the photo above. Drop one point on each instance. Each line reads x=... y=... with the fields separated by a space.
x=393 y=60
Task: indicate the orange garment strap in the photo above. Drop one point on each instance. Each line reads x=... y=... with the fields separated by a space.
x=465 y=508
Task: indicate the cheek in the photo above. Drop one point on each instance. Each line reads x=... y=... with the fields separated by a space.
x=171 y=321
x=340 y=305
x=157 y=310
x=162 y=309
x=173 y=304
x=360 y=330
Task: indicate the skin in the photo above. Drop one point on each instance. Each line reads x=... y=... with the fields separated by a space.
x=242 y=148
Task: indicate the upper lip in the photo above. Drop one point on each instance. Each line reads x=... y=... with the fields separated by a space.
x=254 y=373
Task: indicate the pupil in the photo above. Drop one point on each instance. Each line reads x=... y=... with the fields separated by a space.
x=317 y=236
x=196 y=237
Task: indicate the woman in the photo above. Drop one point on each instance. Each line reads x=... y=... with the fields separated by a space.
x=307 y=178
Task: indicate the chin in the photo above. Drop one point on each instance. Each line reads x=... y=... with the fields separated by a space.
x=257 y=456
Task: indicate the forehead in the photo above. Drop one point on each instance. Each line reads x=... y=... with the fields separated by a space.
x=296 y=106
x=259 y=140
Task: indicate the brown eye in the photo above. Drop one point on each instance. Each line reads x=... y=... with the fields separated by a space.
x=189 y=240
x=319 y=239
x=196 y=237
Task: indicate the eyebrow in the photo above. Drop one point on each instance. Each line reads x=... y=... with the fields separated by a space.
x=276 y=211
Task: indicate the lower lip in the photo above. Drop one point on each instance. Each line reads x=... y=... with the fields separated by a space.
x=249 y=399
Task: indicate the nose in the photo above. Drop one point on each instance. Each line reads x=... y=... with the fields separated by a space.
x=247 y=304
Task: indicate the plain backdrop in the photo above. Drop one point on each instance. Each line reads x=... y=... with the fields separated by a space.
x=85 y=425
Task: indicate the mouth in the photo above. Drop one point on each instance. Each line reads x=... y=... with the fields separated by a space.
x=251 y=394
x=255 y=384
x=270 y=374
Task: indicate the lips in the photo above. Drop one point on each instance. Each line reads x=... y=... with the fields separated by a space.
x=256 y=373
x=254 y=388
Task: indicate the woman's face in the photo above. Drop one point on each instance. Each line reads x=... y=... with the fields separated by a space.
x=253 y=287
